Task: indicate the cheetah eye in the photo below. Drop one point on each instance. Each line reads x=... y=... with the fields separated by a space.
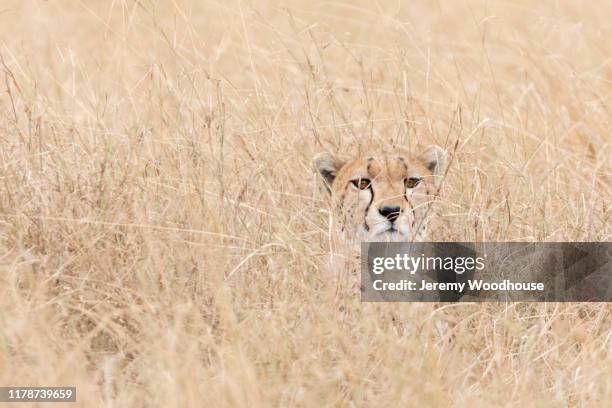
x=412 y=182
x=361 y=183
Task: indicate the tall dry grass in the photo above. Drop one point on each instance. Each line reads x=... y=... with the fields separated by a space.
x=163 y=238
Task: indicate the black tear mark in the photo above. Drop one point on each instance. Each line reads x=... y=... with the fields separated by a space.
x=365 y=218
x=409 y=202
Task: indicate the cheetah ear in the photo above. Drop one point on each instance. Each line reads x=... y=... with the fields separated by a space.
x=327 y=166
x=434 y=159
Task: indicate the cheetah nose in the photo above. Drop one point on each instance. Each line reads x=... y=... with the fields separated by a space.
x=390 y=212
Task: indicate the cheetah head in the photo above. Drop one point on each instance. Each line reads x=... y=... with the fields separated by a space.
x=382 y=198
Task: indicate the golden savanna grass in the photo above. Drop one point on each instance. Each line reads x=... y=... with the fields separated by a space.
x=164 y=240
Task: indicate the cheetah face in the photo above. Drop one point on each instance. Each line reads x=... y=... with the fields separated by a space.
x=383 y=198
